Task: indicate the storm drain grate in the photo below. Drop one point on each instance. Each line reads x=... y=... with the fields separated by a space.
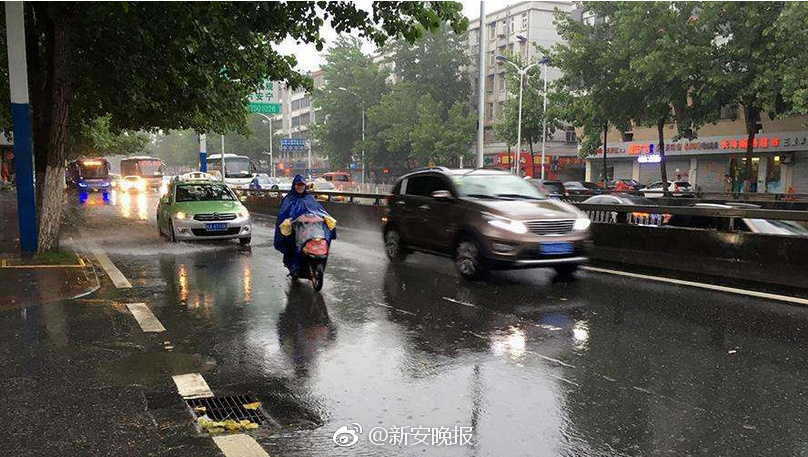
x=223 y=408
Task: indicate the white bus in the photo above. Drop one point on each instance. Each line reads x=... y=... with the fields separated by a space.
x=238 y=169
x=151 y=169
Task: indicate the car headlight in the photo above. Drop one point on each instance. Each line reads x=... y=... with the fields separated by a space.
x=504 y=223
x=180 y=215
x=581 y=223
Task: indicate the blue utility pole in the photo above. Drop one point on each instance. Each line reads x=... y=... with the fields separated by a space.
x=21 y=121
x=203 y=153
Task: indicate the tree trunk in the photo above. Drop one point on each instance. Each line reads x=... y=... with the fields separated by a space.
x=38 y=26
x=604 y=176
x=52 y=192
x=533 y=171
x=663 y=171
x=751 y=116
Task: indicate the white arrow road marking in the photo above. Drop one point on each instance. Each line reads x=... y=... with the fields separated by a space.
x=192 y=385
x=147 y=320
x=239 y=446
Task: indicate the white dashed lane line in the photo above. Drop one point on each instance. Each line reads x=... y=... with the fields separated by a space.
x=192 y=385
x=112 y=271
x=147 y=320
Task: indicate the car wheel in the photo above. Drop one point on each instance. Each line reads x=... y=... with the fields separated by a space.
x=274 y=188
x=393 y=245
x=172 y=237
x=567 y=269
x=245 y=241
x=468 y=260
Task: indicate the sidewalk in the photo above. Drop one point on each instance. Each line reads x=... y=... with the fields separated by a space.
x=31 y=282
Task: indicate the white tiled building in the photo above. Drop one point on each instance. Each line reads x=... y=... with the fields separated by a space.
x=514 y=30
x=297 y=117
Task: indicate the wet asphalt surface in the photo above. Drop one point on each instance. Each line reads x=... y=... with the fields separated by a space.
x=527 y=363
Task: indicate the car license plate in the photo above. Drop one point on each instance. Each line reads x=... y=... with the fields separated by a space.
x=556 y=248
x=217 y=226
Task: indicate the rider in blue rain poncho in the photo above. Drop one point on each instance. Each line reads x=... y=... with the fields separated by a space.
x=296 y=203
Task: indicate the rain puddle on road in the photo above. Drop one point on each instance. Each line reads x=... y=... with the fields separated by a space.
x=156 y=366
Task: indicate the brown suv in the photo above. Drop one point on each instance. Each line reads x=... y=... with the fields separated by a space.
x=484 y=219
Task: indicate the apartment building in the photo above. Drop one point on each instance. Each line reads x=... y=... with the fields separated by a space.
x=296 y=119
x=514 y=30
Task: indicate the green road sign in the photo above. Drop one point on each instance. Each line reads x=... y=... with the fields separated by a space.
x=265 y=108
x=262 y=100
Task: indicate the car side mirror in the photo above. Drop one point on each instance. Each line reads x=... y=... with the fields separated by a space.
x=164 y=200
x=442 y=196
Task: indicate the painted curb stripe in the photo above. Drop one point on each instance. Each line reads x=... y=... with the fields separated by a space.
x=147 y=320
x=239 y=446
x=192 y=385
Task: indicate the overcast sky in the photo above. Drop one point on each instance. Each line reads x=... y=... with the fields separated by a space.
x=309 y=59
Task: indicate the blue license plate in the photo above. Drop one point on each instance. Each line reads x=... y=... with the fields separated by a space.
x=217 y=226
x=556 y=248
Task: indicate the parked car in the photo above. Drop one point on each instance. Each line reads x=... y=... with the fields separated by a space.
x=341 y=180
x=264 y=181
x=202 y=210
x=635 y=217
x=763 y=226
x=630 y=184
x=582 y=188
x=553 y=189
x=133 y=183
x=322 y=188
x=676 y=188
x=483 y=219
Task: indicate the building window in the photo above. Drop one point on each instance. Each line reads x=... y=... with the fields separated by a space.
x=524 y=21
x=489 y=112
x=488 y=134
x=492 y=30
x=500 y=109
x=295 y=104
x=493 y=59
x=627 y=136
x=572 y=138
x=502 y=82
x=489 y=83
x=295 y=121
x=512 y=25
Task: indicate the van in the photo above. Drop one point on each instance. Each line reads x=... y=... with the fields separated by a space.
x=341 y=180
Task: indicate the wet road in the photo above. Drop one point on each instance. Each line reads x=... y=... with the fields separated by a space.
x=526 y=364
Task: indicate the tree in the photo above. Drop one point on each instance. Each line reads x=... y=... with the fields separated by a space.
x=95 y=138
x=792 y=36
x=652 y=35
x=346 y=66
x=746 y=53
x=426 y=116
x=175 y=66
x=589 y=95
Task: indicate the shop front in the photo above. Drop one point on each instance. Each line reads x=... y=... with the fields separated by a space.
x=713 y=164
x=556 y=167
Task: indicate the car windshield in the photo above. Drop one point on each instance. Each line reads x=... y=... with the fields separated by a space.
x=632 y=200
x=495 y=186
x=554 y=187
x=790 y=227
x=203 y=193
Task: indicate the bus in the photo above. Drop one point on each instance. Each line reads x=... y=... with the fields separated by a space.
x=151 y=169
x=238 y=169
x=89 y=174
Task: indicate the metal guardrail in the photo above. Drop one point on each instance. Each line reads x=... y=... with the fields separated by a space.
x=637 y=213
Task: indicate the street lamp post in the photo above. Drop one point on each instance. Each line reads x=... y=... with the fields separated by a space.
x=544 y=61
x=522 y=72
x=363 y=128
x=268 y=120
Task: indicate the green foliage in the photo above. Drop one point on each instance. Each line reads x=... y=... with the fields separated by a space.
x=791 y=32
x=589 y=95
x=339 y=130
x=533 y=114
x=96 y=138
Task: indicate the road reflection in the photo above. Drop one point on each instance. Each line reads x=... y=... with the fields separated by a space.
x=304 y=326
